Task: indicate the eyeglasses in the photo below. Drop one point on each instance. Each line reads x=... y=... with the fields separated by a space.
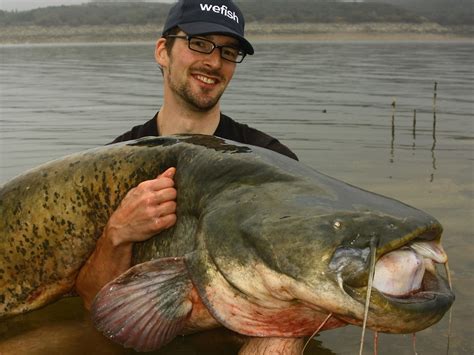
x=201 y=45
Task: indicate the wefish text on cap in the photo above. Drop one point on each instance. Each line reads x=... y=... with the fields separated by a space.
x=223 y=10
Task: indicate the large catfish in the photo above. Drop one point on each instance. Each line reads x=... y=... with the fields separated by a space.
x=263 y=245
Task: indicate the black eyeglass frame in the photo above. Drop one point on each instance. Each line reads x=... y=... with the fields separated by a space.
x=189 y=38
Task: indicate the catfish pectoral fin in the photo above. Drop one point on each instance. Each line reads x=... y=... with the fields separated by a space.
x=147 y=306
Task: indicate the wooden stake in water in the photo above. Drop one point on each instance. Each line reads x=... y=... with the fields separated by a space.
x=394 y=107
x=414 y=130
x=435 y=95
x=414 y=123
x=392 y=143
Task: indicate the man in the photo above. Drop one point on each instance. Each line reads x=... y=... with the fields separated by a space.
x=197 y=53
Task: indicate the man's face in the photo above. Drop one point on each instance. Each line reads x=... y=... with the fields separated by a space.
x=198 y=79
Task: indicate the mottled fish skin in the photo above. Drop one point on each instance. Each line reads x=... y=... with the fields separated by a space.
x=53 y=215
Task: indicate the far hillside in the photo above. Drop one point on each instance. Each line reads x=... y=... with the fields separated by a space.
x=278 y=11
x=444 y=12
x=264 y=11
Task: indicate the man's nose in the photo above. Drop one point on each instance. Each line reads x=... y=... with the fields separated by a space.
x=214 y=58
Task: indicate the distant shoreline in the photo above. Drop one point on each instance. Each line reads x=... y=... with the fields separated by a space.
x=255 y=31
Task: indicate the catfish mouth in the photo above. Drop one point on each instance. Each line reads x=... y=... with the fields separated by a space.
x=432 y=287
x=406 y=280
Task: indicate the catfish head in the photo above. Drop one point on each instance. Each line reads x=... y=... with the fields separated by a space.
x=324 y=264
x=307 y=253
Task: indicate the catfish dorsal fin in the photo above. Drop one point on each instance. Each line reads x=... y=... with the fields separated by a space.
x=145 y=307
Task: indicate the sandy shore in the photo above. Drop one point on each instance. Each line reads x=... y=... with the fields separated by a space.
x=255 y=31
x=360 y=31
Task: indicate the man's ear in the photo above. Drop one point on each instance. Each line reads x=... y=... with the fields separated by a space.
x=161 y=54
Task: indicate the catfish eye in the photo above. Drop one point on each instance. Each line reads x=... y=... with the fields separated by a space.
x=337 y=225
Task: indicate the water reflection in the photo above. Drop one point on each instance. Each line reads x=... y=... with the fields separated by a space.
x=392 y=154
x=62 y=328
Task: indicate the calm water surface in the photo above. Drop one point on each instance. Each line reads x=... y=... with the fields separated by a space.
x=329 y=102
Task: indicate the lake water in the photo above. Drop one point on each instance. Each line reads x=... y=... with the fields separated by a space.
x=330 y=102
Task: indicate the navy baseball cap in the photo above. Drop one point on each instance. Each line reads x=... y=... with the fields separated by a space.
x=196 y=17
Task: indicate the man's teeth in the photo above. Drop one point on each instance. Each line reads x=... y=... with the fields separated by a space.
x=205 y=79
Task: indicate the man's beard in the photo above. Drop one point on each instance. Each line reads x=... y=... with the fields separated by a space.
x=195 y=101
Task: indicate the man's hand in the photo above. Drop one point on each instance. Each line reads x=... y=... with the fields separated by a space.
x=145 y=211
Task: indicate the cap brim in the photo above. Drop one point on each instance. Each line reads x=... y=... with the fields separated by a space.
x=206 y=28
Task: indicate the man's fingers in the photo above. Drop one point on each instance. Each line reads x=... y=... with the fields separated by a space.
x=163 y=196
x=161 y=182
x=168 y=173
x=165 y=216
x=164 y=222
x=166 y=208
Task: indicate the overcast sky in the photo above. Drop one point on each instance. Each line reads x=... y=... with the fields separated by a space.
x=34 y=4
x=21 y=5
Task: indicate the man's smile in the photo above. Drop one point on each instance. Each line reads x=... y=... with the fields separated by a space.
x=205 y=79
